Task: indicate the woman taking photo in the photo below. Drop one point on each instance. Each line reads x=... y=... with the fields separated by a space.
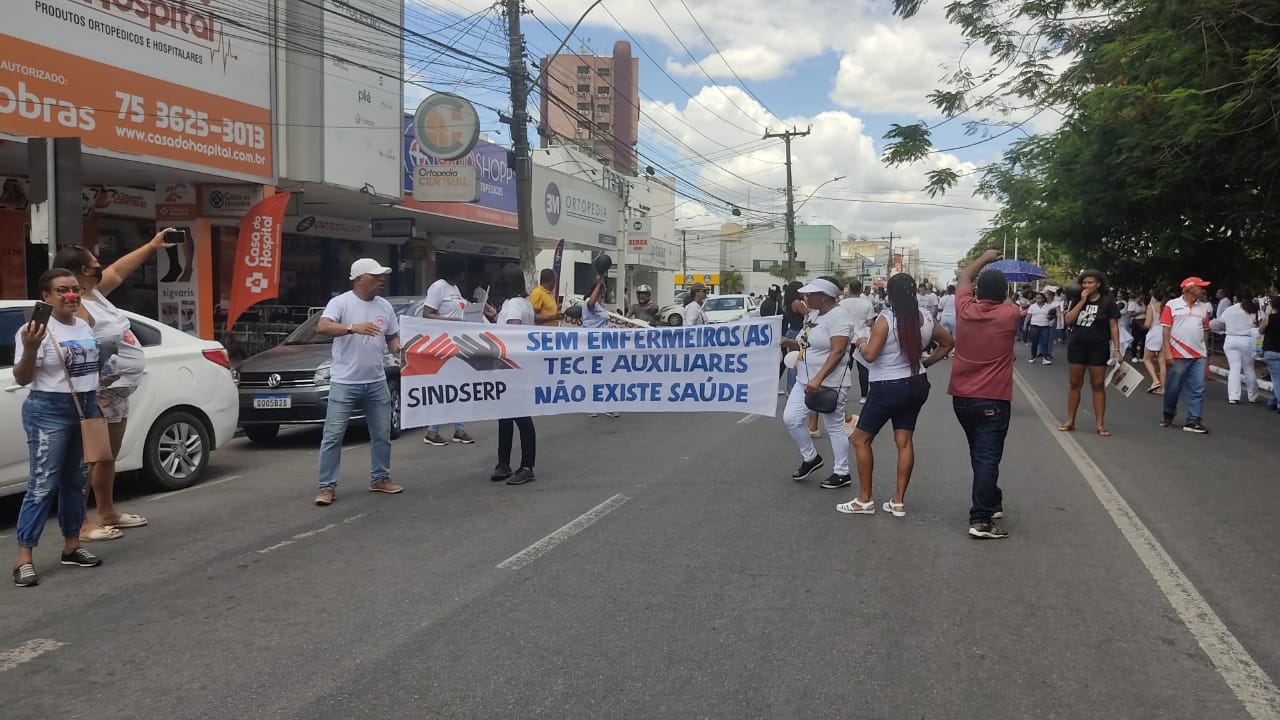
x=1240 y=322
x=1094 y=319
x=899 y=388
x=55 y=359
x=821 y=369
x=112 y=331
x=1153 y=342
x=516 y=310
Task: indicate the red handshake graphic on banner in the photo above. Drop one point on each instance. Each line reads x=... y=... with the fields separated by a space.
x=425 y=355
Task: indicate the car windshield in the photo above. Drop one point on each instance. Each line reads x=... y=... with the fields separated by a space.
x=725 y=303
x=305 y=334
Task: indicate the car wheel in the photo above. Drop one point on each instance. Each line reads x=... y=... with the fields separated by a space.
x=675 y=319
x=395 y=409
x=177 y=451
x=261 y=434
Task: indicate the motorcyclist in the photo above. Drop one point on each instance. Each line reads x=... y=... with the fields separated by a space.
x=644 y=308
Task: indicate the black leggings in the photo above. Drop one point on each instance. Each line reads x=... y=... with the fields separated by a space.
x=528 y=441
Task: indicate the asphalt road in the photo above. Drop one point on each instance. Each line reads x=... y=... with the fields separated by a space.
x=709 y=584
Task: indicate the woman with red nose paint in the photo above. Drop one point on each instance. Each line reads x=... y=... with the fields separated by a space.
x=55 y=358
x=122 y=365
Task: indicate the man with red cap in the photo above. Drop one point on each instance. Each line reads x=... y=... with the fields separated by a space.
x=1185 y=320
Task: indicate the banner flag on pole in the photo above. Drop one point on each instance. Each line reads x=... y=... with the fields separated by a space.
x=256 y=276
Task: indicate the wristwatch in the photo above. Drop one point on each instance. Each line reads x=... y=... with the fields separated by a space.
x=350 y=328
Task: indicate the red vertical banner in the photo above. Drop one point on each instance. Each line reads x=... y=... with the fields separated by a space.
x=256 y=276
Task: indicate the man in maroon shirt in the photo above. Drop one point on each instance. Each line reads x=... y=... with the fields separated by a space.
x=981 y=385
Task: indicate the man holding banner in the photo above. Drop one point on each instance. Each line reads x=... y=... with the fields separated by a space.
x=364 y=329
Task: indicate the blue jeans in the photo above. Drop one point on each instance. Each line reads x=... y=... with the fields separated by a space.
x=1041 y=342
x=1189 y=373
x=457 y=427
x=1272 y=359
x=55 y=450
x=375 y=400
x=985 y=423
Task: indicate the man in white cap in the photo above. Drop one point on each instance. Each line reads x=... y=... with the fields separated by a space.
x=364 y=329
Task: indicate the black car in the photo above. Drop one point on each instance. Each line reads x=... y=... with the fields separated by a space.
x=289 y=384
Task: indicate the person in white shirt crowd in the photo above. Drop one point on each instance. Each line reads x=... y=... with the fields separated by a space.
x=1240 y=323
x=823 y=345
x=1023 y=301
x=1185 y=322
x=55 y=359
x=1154 y=339
x=899 y=389
x=947 y=310
x=1136 y=313
x=693 y=312
x=595 y=314
x=1223 y=302
x=111 y=328
x=516 y=310
x=862 y=313
x=1040 y=319
x=364 y=328
x=445 y=301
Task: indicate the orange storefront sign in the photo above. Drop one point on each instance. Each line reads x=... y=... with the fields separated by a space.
x=49 y=93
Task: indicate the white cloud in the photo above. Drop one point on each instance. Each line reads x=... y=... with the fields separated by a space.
x=890 y=70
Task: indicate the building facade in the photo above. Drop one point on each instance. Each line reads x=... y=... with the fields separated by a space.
x=593 y=102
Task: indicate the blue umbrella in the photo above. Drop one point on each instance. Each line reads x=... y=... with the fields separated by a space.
x=1019 y=271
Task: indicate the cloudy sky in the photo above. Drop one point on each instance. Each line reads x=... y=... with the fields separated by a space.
x=849 y=69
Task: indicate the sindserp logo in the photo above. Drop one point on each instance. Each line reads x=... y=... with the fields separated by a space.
x=426 y=355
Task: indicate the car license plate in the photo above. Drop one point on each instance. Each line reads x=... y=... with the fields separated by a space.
x=272 y=402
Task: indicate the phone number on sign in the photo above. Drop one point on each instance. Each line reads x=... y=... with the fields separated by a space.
x=194 y=123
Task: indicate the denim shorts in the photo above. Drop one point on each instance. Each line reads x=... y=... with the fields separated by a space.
x=896 y=400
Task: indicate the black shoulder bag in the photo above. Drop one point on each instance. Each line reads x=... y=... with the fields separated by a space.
x=824 y=400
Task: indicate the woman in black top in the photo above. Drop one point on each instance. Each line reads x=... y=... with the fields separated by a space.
x=1094 y=319
x=1270 y=329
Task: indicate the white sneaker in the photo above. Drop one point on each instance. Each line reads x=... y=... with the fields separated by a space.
x=862 y=401
x=1032 y=361
x=1046 y=361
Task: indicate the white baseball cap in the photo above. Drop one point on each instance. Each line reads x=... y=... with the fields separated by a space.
x=818 y=285
x=367 y=266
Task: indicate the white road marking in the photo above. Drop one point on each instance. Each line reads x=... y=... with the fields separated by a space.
x=211 y=483
x=26 y=652
x=577 y=525
x=307 y=534
x=747 y=419
x=1247 y=680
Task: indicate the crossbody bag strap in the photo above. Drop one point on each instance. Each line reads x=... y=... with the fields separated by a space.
x=807 y=328
x=66 y=371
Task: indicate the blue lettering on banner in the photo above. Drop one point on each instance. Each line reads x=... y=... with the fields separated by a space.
x=709 y=391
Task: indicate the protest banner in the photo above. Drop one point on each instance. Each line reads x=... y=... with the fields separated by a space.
x=462 y=372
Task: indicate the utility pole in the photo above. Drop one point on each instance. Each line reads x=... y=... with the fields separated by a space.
x=684 y=252
x=786 y=136
x=520 y=139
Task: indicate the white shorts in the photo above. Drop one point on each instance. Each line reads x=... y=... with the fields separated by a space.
x=1155 y=339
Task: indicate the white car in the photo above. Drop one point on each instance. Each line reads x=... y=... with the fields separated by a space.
x=730 y=308
x=185 y=407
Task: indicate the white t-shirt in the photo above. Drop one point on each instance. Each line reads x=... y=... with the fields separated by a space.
x=110 y=324
x=447 y=299
x=860 y=311
x=597 y=318
x=694 y=314
x=947 y=305
x=891 y=364
x=516 y=308
x=815 y=343
x=1239 y=321
x=76 y=342
x=928 y=303
x=359 y=359
x=1039 y=314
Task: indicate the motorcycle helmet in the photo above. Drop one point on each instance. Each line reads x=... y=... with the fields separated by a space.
x=644 y=290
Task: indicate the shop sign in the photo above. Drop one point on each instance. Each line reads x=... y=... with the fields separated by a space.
x=89 y=67
x=639 y=233
x=578 y=211
x=392 y=228
x=657 y=254
x=328 y=227
x=496 y=203
x=176 y=201
x=13 y=193
x=471 y=247
x=446 y=183
x=227 y=200
x=687 y=279
x=446 y=126
x=125 y=202
x=256 y=276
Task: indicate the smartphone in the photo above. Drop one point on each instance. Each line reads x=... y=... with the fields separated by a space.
x=41 y=313
x=176 y=237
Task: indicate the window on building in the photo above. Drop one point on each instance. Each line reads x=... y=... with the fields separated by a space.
x=584 y=70
x=584 y=107
x=602 y=91
x=604 y=127
x=584 y=124
x=584 y=88
x=602 y=108
x=602 y=72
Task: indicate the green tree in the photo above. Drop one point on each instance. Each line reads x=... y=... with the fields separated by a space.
x=731 y=281
x=1165 y=163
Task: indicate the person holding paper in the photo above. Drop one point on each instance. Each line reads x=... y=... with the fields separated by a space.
x=445 y=302
x=1095 y=334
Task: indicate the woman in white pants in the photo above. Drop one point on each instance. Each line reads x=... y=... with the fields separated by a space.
x=823 y=345
x=1241 y=321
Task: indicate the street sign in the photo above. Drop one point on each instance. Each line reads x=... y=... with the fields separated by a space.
x=446 y=126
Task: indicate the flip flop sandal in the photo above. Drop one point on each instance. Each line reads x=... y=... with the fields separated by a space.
x=129 y=520
x=102 y=533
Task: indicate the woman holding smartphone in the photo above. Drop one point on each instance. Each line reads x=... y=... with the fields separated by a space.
x=121 y=371
x=1094 y=319
x=55 y=355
